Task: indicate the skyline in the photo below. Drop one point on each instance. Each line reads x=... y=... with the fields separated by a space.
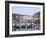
x=25 y=10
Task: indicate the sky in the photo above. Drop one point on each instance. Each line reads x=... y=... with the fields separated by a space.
x=25 y=10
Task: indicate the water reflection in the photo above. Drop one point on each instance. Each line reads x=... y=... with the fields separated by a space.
x=25 y=25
